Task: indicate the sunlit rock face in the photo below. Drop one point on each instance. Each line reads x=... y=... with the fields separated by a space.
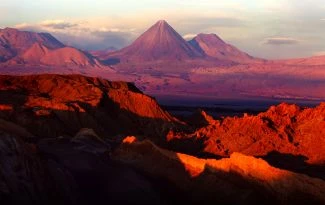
x=54 y=105
x=286 y=129
x=239 y=179
x=63 y=141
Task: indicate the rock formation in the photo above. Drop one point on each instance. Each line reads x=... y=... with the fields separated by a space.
x=62 y=141
x=63 y=170
x=239 y=179
x=287 y=129
x=54 y=105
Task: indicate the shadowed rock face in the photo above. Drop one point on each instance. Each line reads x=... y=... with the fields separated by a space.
x=67 y=171
x=22 y=175
x=54 y=105
x=285 y=128
x=42 y=163
x=239 y=179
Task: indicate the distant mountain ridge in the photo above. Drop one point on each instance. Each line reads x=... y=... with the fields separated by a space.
x=159 y=42
x=31 y=48
x=213 y=46
x=14 y=42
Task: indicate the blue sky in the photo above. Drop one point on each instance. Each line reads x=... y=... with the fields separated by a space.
x=263 y=28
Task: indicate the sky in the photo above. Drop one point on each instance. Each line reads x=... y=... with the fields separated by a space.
x=272 y=29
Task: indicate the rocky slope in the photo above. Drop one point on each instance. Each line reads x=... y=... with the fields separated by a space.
x=74 y=170
x=239 y=179
x=47 y=158
x=48 y=154
x=54 y=105
x=286 y=129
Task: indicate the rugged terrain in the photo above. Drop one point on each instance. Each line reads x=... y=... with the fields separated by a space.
x=85 y=140
x=163 y=64
x=55 y=105
x=239 y=179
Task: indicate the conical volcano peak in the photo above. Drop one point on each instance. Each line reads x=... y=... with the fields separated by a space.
x=162 y=22
x=162 y=28
x=159 y=42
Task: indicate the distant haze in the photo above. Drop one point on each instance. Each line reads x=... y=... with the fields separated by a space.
x=262 y=28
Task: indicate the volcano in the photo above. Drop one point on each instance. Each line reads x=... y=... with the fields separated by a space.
x=213 y=46
x=159 y=42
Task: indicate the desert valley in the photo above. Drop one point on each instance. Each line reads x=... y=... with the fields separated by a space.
x=163 y=120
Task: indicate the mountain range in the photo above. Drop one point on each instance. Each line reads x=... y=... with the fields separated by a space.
x=30 y=48
x=161 y=43
x=161 y=61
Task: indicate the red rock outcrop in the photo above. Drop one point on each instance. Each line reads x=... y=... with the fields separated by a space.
x=41 y=161
x=54 y=105
x=285 y=128
x=239 y=179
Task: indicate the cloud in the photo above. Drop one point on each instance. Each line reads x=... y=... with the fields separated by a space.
x=281 y=41
x=189 y=36
x=81 y=34
x=58 y=24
